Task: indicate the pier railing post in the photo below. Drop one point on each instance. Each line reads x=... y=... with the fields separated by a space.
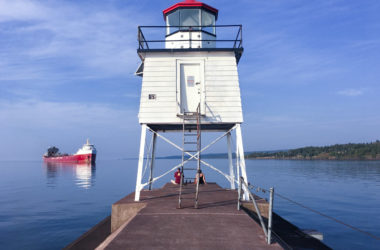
x=256 y=208
x=270 y=213
x=239 y=192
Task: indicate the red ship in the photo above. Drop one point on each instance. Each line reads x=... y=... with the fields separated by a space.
x=86 y=154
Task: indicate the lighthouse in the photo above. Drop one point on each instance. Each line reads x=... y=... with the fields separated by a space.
x=190 y=85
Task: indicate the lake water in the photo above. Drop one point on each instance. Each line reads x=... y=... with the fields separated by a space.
x=47 y=207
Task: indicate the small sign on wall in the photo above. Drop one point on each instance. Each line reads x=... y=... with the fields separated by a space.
x=190 y=81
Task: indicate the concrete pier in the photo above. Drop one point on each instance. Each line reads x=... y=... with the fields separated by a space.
x=156 y=223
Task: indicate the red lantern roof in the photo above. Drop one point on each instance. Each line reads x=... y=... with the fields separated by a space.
x=191 y=4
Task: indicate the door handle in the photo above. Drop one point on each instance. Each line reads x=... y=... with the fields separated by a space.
x=197 y=83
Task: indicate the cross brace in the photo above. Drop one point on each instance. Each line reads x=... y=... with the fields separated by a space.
x=239 y=156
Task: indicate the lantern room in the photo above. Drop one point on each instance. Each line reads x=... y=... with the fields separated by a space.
x=190 y=24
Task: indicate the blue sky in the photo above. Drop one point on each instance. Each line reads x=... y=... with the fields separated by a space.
x=309 y=74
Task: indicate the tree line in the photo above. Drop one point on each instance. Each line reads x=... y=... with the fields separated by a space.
x=350 y=151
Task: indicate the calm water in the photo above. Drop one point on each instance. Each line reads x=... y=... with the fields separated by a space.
x=47 y=207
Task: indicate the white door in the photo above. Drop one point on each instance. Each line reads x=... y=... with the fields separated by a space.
x=190 y=87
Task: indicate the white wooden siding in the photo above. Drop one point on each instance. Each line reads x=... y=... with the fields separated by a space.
x=222 y=91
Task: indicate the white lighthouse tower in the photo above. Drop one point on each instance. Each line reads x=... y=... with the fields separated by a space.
x=190 y=85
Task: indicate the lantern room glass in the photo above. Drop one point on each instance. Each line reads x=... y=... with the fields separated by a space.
x=190 y=18
x=172 y=21
x=208 y=22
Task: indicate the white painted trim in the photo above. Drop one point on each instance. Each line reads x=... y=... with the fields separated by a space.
x=141 y=161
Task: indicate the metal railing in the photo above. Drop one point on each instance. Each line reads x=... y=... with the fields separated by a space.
x=271 y=192
x=267 y=230
x=152 y=39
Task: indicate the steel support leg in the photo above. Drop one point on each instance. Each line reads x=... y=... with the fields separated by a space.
x=141 y=161
x=232 y=175
x=239 y=142
x=152 y=161
x=238 y=176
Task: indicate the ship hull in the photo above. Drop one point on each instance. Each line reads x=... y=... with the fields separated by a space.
x=82 y=158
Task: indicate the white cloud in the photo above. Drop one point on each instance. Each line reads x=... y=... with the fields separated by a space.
x=59 y=40
x=52 y=42
x=21 y=10
x=284 y=60
x=351 y=92
x=364 y=44
x=57 y=115
x=32 y=125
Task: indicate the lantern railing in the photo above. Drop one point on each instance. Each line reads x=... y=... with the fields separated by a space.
x=223 y=36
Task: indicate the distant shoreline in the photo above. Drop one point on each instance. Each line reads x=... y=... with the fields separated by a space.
x=308 y=159
x=350 y=152
x=274 y=158
x=338 y=152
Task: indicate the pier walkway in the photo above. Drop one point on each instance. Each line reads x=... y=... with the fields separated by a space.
x=158 y=224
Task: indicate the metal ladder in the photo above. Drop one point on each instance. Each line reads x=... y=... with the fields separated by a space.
x=188 y=130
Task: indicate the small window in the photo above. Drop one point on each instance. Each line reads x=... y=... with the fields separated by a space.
x=152 y=97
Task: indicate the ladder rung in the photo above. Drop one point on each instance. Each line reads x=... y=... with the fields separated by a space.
x=190 y=151
x=191 y=142
x=190 y=169
x=190 y=134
